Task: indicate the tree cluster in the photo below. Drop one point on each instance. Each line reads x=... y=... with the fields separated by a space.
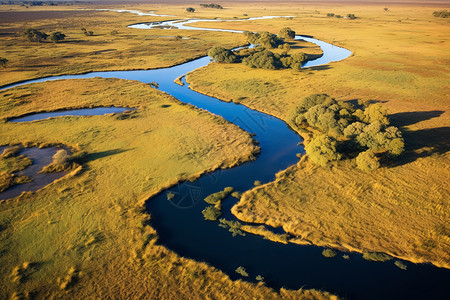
x=265 y=59
x=259 y=56
x=34 y=35
x=349 y=16
x=441 y=14
x=347 y=131
x=212 y=5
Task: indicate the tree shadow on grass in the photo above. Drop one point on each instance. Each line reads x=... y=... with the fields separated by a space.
x=423 y=143
x=102 y=154
x=419 y=143
x=319 y=68
x=409 y=118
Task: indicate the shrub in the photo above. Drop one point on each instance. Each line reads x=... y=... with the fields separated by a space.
x=34 y=35
x=3 y=62
x=57 y=36
x=329 y=253
x=287 y=33
x=211 y=213
x=60 y=162
x=222 y=55
x=260 y=278
x=330 y=15
x=114 y=32
x=322 y=149
x=376 y=256
x=351 y=16
x=190 y=9
x=367 y=161
x=241 y=271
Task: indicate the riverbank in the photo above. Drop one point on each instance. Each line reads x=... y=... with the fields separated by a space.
x=89 y=234
x=400 y=209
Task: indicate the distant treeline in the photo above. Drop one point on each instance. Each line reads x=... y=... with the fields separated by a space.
x=42 y=3
x=212 y=5
x=441 y=14
x=349 y=16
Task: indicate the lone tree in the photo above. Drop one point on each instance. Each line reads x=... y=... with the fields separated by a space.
x=190 y=9
x=57 y=36
x=220 y=54
x=287 y=33
x=34 y=35
x=3 y=62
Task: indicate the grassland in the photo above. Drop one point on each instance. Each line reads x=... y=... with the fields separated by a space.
x=400 y=59
x=127 y=49
x=88 y=235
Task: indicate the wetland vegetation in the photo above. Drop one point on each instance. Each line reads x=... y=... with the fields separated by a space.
x=89 y=234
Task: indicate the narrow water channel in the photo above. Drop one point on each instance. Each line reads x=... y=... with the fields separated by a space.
x=180 y=225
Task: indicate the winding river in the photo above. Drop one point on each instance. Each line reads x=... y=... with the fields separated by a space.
x=181 y=228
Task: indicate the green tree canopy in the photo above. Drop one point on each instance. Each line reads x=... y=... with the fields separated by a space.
x=57 y=36
x=322 y=149
x=376 y=112
x=367 y=161
x=287 y=33
x=34 y=35
x=265 y=39
x=262 y=60
x=220 y=54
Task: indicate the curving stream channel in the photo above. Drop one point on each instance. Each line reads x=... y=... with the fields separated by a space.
x=180 y=225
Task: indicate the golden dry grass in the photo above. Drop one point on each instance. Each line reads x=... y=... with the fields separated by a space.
x=87 y=235
x=127 y=50
x=401 y=59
